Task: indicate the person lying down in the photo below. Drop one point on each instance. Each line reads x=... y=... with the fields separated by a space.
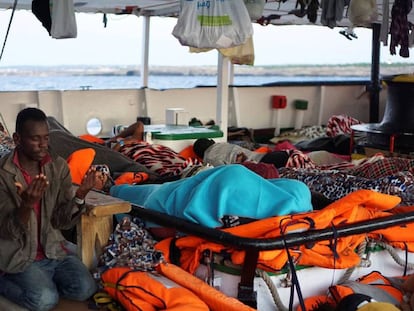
x=209 y=196
x=206 y=197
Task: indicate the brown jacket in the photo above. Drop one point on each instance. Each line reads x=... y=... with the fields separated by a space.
x=18 y=241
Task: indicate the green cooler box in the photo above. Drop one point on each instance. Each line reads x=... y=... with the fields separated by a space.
x=178 y=137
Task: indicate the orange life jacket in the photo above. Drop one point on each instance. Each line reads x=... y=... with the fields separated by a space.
x=216 y=300
x=79 y=162
x=400 y=236
x=146 y=291
x=170 y=289
x=357 y=206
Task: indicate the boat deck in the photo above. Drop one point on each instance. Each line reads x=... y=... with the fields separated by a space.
x=64 y=305
x=68 y=305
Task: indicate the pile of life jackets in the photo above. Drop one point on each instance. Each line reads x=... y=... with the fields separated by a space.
x=338 y=254
x=169 y=288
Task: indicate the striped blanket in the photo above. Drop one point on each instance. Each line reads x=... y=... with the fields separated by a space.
x=157 y=158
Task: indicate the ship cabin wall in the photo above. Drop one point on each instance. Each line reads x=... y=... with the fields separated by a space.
x=249 y=107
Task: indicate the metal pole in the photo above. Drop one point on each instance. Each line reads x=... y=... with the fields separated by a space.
x=375 y=86
x=290 y=240
x=145 y=50
x=222 y=107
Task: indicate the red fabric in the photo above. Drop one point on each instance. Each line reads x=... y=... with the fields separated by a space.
x=284 y=145
x=340 y=124
x=265 y=170
x=157 y=158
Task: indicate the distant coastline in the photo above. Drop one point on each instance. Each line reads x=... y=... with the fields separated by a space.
x=279 y=70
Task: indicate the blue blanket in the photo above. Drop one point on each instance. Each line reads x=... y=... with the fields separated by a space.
x=225 y=190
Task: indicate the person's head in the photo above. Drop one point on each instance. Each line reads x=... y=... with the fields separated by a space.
x=201 y=145
x=32 y=133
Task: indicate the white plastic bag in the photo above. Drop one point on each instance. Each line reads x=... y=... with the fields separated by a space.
x=238 y=55
x=213 y=23
x=63 y=19
x=241 y=54
x=255 y=8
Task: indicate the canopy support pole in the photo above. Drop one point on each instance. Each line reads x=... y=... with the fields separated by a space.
x=145 y=51
x=375 y=85
x=222 y=108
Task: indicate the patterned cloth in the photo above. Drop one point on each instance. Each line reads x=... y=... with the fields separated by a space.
x=312 y=132
x=335 y=184
x=380 y=166
x=340 y=124
x=390 y=175
x=192 y=170
x=298 y=159
x=373 y=167
x=6 y=143
x=131 y=245
x=157 y=158
x=336 y=125
x=305 y=133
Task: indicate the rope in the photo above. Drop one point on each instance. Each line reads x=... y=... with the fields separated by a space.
x=349 y=271
x=361 y=251
x=273 y=289
x=395 y=256
x=8 y=28
x=391 y=250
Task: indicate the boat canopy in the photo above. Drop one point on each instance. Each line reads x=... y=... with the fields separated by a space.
x=375 y=14
x=277 y=12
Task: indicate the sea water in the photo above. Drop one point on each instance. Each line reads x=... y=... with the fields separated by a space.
x=99 y=82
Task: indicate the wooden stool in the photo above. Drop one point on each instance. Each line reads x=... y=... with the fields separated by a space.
x=96 y=225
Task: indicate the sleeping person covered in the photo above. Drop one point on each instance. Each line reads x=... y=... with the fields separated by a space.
x=229 y=190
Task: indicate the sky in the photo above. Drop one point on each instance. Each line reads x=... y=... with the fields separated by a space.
x=120 y=43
